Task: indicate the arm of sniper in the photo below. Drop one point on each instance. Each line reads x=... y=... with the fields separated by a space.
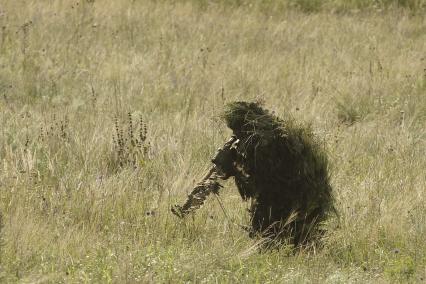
x=225 y=158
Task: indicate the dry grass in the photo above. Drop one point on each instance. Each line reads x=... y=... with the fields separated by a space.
x=68 y=70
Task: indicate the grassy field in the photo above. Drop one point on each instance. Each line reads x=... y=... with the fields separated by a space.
x=79 y=206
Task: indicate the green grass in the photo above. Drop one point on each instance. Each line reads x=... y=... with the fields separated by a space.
x=74 y=210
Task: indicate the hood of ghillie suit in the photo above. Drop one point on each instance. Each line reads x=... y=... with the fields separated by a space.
x=246 y=119
x=285 y=168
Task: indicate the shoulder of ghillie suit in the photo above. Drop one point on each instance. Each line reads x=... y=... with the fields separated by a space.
x=251 y=124
x=256 y=127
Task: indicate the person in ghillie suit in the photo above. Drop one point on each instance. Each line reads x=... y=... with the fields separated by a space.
x=280 y=168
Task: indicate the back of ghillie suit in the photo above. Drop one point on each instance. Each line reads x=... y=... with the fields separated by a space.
x=280 y=168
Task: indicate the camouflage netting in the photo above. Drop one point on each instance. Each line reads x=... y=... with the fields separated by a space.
x=279 y=166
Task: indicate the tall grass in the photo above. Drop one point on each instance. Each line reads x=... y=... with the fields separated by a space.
x=74 y=210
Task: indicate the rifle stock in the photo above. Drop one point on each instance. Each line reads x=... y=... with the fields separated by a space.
x=209 y=184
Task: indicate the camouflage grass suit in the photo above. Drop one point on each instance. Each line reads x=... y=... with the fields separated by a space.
x=281 y=169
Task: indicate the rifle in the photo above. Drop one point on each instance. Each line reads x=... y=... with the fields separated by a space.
x=222 y=168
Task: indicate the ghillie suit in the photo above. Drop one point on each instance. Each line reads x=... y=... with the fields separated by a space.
x=279 y=167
